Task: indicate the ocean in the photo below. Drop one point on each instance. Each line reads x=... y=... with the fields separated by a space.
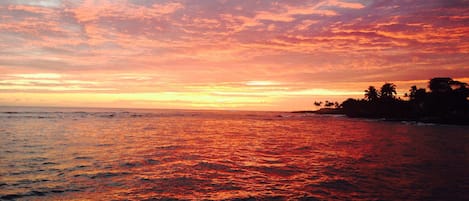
x=130 y=154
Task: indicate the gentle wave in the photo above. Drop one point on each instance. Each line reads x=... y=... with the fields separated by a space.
x=196 y=155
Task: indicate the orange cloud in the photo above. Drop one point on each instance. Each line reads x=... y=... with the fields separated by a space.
x=215 y=54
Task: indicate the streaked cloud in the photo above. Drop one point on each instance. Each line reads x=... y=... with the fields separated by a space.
x=246 y=54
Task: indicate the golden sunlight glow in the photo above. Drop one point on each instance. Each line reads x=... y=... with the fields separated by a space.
x=261 y=83
x=38 y=75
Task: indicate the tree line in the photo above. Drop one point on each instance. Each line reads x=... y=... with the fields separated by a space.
x=446 y=102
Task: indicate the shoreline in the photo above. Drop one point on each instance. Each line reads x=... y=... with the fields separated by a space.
x=425 y=119
x=322 y=111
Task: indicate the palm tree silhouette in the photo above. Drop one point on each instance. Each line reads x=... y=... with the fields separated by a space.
x=440 y=85
x=447 y=102
x=371 y=93
x=388 y=91
x=316 y=103
x=413 y=90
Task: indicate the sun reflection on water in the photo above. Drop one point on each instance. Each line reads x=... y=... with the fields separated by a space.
x=227 y=155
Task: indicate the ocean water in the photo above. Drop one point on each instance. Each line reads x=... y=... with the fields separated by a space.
x=118 y=154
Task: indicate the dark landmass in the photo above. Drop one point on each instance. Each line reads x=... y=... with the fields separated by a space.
x=323 y=111
x=446 y=103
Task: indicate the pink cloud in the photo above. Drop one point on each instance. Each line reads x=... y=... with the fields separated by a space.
x=344 y=4
x=207 y=47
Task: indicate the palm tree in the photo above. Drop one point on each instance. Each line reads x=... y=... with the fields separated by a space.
x=440 y=85
x=413 y=91
x=388 y=91
x=316 y=103
x=417 y=94
x=329 y=104
x=371 y=94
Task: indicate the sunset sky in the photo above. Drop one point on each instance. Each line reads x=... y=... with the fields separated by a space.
x=224 y=54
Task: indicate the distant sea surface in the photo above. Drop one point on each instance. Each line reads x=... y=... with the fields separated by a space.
x=121 y=154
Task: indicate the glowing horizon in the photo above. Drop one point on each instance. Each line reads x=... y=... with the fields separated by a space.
x=247 y=55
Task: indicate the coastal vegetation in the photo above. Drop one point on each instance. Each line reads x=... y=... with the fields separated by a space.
x=445 y=102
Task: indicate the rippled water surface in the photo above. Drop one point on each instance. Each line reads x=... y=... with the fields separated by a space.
x=98 y=154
